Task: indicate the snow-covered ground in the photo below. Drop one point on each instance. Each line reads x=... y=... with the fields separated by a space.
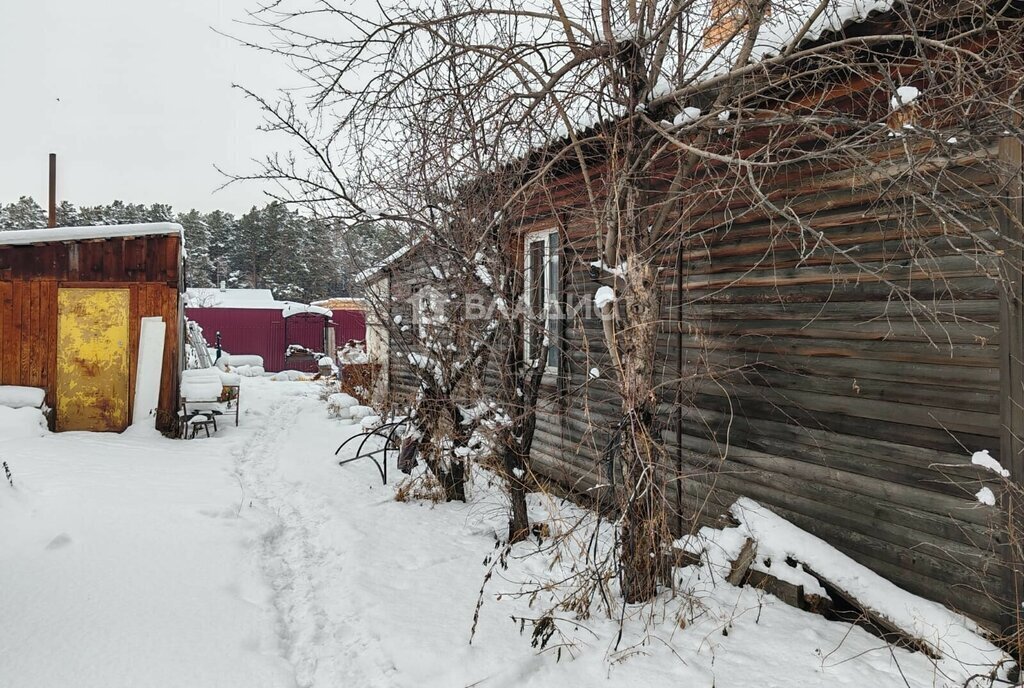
x=253 y=559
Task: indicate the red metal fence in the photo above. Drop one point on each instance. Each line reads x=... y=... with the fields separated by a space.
x=265 y=332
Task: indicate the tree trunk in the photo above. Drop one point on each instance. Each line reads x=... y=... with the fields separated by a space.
x=644 y=519
x=518 y=519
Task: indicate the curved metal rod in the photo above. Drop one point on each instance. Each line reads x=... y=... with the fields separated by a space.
x=346 y=442
x=390 y=444
x=376 y=430
x=383 y=471
x=382 y=466
x=359 y=454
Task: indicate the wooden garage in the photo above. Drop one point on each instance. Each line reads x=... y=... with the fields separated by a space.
x=72 y=300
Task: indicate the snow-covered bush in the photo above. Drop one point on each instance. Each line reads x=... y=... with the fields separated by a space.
x=340 y=406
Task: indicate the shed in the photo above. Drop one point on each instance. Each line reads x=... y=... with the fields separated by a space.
x=252 y=321
x=72 y=301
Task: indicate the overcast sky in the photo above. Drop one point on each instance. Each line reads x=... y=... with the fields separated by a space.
x=135 y=98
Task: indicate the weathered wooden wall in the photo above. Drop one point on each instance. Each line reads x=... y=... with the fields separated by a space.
x=808 y=384
x=30 y=277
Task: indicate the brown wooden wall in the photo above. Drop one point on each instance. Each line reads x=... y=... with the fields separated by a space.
x=149 y=267
x=807 y=385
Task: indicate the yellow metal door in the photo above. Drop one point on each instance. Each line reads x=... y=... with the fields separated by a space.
x=92 y=359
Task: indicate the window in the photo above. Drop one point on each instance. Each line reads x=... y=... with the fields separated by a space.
x=427 y=310
x=541 y=270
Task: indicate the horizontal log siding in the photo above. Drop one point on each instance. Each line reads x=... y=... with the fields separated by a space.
x=805 y=384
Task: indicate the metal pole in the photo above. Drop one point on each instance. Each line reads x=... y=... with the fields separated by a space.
x=53 y=190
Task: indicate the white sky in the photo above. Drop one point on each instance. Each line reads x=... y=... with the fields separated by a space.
x=146 y=106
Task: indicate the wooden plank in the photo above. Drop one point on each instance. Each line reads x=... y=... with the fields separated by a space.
x=6 y=336
x=871 y=619
x=35 y=345
x=740 y=566
x=20 y=331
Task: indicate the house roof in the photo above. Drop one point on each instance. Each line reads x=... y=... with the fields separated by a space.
x=370 y=273
x=25 y=237
x=342 y=303
x=232 y=298
x=253 y=299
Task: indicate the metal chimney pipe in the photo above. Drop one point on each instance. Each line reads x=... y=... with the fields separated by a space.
x=53 y=190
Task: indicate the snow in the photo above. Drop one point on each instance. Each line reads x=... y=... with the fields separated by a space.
x=604 y=267
x=340 y=405
x=16 y=396
x=905 y=95
x=686 y=116
x=605 y=295
x=984 y=459
x=248 y=299
x=297 y=308
x=252 y=560
x=956 y=638
x=17 y=423
x=230 y=298
x=359 y=412
x=368 y=273
x=703 y=60
x=370 y=423
x=203 y=384
x=290 y=376
x=23 y=237
x=986 y=497
x=248 y=371
x=237 y=360
x=124 y=561
x=353 y=354
x=233 y=379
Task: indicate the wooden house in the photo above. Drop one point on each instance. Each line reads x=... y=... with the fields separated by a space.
x=71 y=304
x=794 y=380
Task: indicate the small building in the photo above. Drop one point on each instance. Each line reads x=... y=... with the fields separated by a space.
x=72 y=300
x=252 y=321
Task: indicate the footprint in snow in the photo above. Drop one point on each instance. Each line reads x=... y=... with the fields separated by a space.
x=62 y=540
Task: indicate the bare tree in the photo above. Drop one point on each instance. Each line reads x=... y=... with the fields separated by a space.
x=679 y=118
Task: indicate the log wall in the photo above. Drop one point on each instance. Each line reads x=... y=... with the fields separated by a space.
x=844 y=388
x=810 y=384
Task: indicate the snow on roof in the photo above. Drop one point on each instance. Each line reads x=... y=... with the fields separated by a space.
x=297 y=308
x=211 y=297
x=703 y=57
x=25 y=237
x=372 y=271
x=232 y=298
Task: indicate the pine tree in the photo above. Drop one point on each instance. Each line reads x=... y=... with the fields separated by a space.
x=68 y=215
x=272 y=247
x=25 y=214
x=199 y=271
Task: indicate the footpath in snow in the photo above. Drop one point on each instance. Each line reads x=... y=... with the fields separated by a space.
x=253 y=559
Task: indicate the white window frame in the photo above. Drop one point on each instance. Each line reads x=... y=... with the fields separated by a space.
x=551 y=295
x=427 y=310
